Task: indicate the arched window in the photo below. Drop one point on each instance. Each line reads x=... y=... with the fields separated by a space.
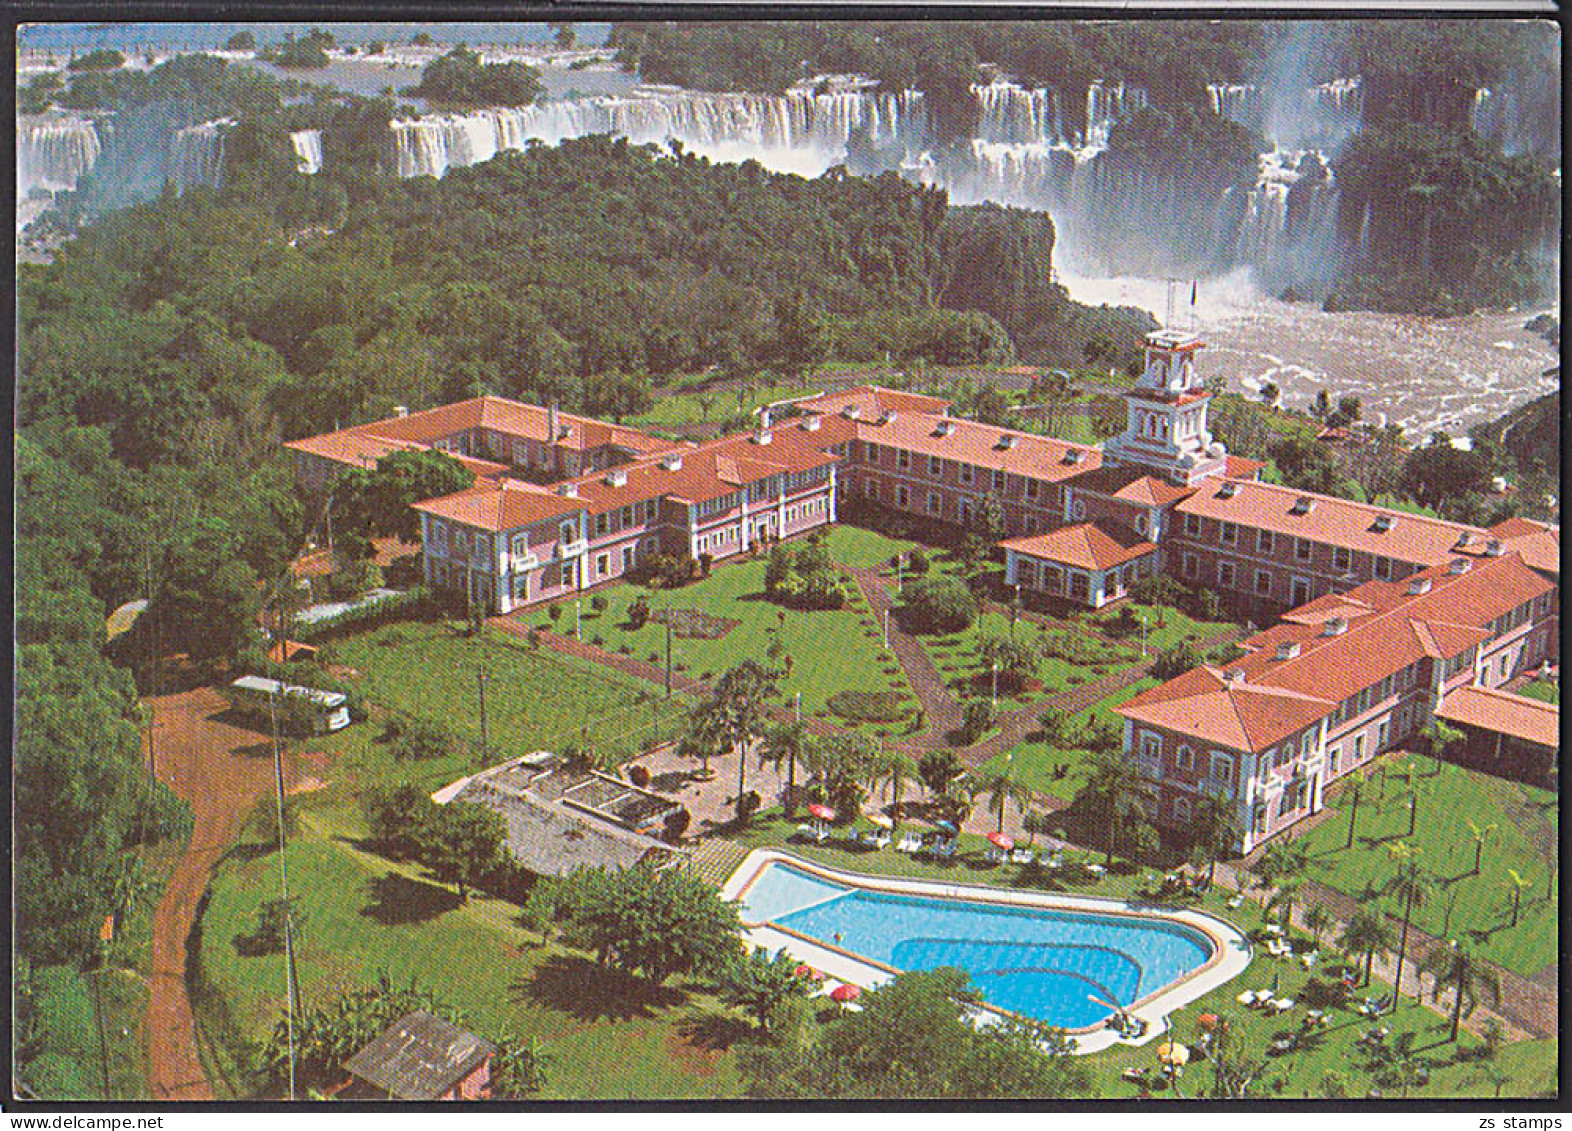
x=1140 y=524
x=1078 y=509
x=1181 y=809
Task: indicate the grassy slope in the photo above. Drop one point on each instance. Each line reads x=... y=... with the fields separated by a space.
x=364 y=915
x=1525 y=838
x=1545 y=690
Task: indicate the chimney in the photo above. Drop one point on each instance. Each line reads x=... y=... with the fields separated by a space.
x=1383 y=523
x=672 y=462
x=1288 y=649
x=1459 y=565
x=810 y=424
x=1304 y=504
x=944 y=427
x=569 y=490
x=1006 y=442
x=762 y=437
x=764 y=417
x=1493 y=548
x=886 y=417
x=1234 y=675
x=553 y=424
x=400 y=410
x=851 y=411
x=1227 y=489
x=1418 y=586
x=617 y=478
x=1335 y=626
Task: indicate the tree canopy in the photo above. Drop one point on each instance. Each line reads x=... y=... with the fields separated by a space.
x=460 y=78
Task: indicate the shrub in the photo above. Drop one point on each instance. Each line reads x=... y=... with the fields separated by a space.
x=747 y=805
x=418 y=602
x=917 y=561
x=1175 y=661
x=639 y=776
x=598 y=602
x=867 y=706
x=977 y=719
x=555 y=613
x=639 y=612
x=533 y=639
x=598 y=640
x=676 y=824
x=938 y=604
x=418 y=738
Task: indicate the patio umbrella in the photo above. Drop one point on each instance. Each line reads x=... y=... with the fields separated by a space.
x=844 y=993
x=1001 y=840
x=1207 y=1020
x=822 y=812
x=1171 y=1052
x=878 y=820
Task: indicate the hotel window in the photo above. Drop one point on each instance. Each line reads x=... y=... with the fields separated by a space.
x=1263 y=541
x=935 y=502
x=521 y=544
x=1359 y=747
x=629 y=554
x=1151 y=747
x=903 y=459
x=1381 y=734
x=1031 y=488
x=934 y=465
x=1192 y=524
x=627 y=516
x=1383 y=568
x=1301 y=591
x=1302 y=549
x=1342 y=559
x=602 y=524
x=968 y=473
x=1266 y=763
x=1230 y=534
x=1263 y=581
x=602 y=565
x=1225 y=574
x=1186 y=758
x=1181 y=809
x=873 y=451
x=1331 y=758
x=903 y=496
x=460 y=542
x=650 y=509
x=1078 y=508
x=1191 y=566
x=997 y=479
x=1222 y=768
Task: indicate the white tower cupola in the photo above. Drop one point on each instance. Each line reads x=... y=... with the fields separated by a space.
x=1165 y=423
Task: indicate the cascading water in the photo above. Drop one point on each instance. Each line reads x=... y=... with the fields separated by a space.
x=308 y=150
x=806 y=130
x=52 y=152
x=1238 y=102
x=197 y=155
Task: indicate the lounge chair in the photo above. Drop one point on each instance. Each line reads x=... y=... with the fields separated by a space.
x=908 y=844
x=1022 y=857
x=1246 y=998
x=1235 y=901
x=1282 y=1004
x=1309 y=960
x=1096 y=869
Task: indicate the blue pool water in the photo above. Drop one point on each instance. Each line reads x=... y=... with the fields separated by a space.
x=1042 y=963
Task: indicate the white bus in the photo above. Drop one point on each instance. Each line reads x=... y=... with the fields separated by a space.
x=299 y=708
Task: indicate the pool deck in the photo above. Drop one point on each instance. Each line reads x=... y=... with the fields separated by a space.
x=1231 y=951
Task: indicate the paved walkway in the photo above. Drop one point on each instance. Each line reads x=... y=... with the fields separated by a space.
x=942 y=710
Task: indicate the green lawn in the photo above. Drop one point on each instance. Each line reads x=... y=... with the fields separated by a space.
x=534 y=699
x=1034 y=762
x=831 y=650
x=959 y=661
x=863 y=548
x=1165 y=626
x=1545 y=690
x=677 y=408
x=1461 y=904
x=363 y=915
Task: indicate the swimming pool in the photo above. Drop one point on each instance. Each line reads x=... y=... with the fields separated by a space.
x=1067 y=967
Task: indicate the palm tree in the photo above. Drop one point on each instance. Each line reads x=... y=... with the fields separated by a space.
x=1114 y=789
x=1411 y=886
x=1000 y=787
x=739 y=699
x=1283 y=899
x=1216 y=830
x=1519 y=882
x=1282 y=867
x=1480 y=835
x=1036 y=822
x=1353 y=812
x=1317 y=919
x=1455 y=967
x=784 y=743
x=1366 y=934
x=894 y=770
x=706 y=736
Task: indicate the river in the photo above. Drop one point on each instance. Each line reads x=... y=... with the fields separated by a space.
x=1424 y=374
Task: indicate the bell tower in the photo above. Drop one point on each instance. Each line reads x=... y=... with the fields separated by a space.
x=1165 y=423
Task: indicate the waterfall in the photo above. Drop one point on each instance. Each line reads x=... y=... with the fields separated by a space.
x=308 y=150
x=806 y=130
x=1012 y=114
x=1238 y=102
x=197 y=155
x=52 y=152
x=1106 y=106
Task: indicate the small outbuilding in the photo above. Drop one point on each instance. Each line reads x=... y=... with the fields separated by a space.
x=421 y=1057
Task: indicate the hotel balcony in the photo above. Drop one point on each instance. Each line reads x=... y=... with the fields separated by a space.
x=523 y=562
x=571 y=549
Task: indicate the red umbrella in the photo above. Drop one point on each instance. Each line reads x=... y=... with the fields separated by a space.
x=1001 y=840
x=845 y=992
x=823 y=812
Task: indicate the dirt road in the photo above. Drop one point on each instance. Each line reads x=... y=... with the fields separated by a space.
x=222 y=769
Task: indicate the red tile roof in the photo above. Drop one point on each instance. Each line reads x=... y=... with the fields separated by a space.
x=1086 y=545
x=874 y=400
x=1338 y=522
x=1130 y=484
x=1501 y=712
x=501 y=505
x=1387 y=629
